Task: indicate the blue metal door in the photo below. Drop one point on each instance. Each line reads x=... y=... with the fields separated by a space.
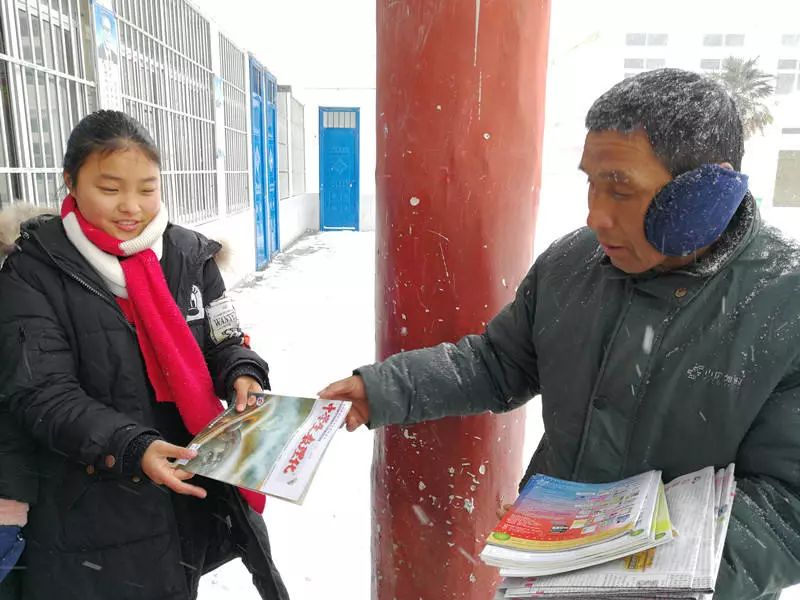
x=272 y=162
x=265 y=169
x=338 y=173
x=262 y=251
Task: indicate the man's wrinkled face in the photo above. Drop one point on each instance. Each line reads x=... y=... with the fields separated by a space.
x=624 y=176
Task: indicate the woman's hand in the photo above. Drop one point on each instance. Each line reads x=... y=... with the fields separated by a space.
x=161 y=471
x=243 y=386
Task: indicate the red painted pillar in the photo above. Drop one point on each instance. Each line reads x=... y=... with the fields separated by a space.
x=461 y=87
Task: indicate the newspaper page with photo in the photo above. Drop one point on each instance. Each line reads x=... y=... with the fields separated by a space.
x=724 y=506
x=273 y=447
x=723 y=514
x=704 y=572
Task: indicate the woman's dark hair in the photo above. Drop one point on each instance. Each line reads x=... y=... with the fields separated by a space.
x=106 y=131
x=690 y=119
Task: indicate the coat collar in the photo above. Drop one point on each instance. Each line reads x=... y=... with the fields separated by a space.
x=681 y=285
x=45 y=240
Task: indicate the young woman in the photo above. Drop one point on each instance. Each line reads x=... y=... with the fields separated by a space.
x=110 y=360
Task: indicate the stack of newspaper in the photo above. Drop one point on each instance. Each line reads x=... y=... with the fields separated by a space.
x=593 y=521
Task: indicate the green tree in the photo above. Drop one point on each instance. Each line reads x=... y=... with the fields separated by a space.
x=750 y=87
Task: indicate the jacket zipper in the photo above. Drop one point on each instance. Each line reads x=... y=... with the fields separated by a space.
x=601 y=373
x=26 y=235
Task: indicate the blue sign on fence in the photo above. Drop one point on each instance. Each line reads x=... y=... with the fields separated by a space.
x=106 y=40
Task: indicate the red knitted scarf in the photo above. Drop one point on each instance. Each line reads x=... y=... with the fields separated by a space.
x=175 y=365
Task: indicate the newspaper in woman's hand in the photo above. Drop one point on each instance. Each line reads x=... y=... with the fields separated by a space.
x=273 y=447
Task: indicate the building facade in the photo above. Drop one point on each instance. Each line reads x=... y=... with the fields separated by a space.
x=167 y=65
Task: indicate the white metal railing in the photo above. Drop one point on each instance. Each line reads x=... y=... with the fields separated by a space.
x=184 y=81
x=46 y=87
x=167 y=84
x=297 y=146
x=291 y=144
x=233 y=72
x=283 y=142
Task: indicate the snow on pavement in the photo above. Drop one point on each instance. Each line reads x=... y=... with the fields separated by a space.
x=311 y=315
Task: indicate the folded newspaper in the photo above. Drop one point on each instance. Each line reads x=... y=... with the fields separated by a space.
x=699 y=508
x=273 y=447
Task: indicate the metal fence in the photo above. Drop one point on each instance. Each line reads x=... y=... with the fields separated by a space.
x=284 y=166
x=172 y=67
x=298 y=146
x=46 y=87
x=167 y=84
x=291 y=144
x=233 y=71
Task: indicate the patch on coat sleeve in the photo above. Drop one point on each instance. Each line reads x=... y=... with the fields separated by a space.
x=223 y=322
x=195 y=312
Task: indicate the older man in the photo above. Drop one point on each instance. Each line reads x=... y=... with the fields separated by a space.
x=663 y=336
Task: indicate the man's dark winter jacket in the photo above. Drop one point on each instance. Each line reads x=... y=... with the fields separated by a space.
x=666 y=370
x=74 y=394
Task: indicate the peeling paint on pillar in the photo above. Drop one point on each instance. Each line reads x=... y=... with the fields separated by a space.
x=461 y=89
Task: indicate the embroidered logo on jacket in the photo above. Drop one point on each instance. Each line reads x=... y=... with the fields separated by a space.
x=714 y=377
x=196 y=311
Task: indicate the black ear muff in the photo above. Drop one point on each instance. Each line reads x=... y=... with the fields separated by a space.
x=693 y=210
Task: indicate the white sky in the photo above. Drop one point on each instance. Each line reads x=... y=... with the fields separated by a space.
x=311 y=44
x=325 y=43
x=305 y=43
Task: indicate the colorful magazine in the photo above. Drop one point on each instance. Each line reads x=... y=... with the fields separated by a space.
x=652 y=527
x=273 y=447
x=552 y=514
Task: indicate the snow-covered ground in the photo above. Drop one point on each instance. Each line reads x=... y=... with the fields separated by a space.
x=311 y=315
